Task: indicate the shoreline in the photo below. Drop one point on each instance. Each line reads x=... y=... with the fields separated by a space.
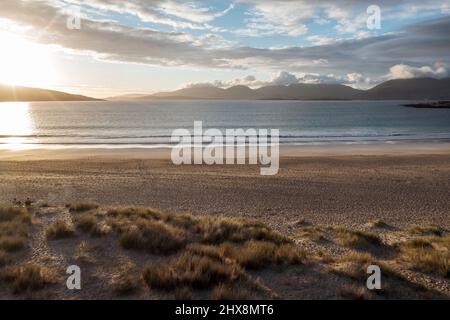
x=375 y=149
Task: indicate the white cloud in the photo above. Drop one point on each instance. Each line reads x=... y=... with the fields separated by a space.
x=403 y=71
x=319 y=40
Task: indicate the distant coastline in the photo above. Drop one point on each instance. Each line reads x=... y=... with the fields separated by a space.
x=26 y=94
x=400 y=89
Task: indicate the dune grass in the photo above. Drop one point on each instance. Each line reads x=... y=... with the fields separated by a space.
x=429 y=255
x=14 y=228
x=253 y=255
x=152 y=236
x=27 y=277
x=357 y=239
x=426 y=230
x=59 y=230
x=191 y=270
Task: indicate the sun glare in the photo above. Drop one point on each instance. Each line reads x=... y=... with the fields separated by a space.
x=25 y=63
x=15 y=124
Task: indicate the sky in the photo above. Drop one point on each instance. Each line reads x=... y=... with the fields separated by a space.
x=104 y=48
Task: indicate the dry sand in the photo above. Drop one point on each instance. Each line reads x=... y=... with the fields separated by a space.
x=346 y=185
x=340 y=186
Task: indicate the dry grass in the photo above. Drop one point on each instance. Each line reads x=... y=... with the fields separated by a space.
x=152 y=236
x=426 y=230
x=27 y=277
x=218 y=230
x=12 y=243
x=83 y=206
x=191 y=270
x=88 y=222
x=14 y=228
x=314 y=233
x=252 y=255
x=354 y=265
x=12 y=213
x=59 y=230
x=357 y=239
x=429 y=255
x=230 y=292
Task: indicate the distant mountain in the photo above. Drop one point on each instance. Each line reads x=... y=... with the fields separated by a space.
x=402 y=89
x=126 y=97
x=15 y=93
x=411 y=89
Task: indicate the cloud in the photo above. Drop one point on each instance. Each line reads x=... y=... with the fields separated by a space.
x=285 y=78
x=418 y=44
x=290 y=17
x=403 y=71
x=174 y=13
x=319 y=40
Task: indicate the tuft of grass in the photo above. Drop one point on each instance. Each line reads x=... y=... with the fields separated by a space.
x=27 y=277
x=418 y=243
x=83 y=206
x=429 y=255
x=135 y=213
x=314 y=233
x=12 y=243
x=59 y=230
x=253 y=255
x=357 y=239
x=426 y=230
x=8 y=214
x=218 y=230
x=87 y=222
x=230 y=292
x=354 y=265
x=256 y=255
x=191 y=270
x=152 y=236
x=14 y=228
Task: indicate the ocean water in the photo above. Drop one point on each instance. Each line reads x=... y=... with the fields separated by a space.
x=150 y=124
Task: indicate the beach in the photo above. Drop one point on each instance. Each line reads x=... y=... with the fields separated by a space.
x=134 y=223
x=345 y=185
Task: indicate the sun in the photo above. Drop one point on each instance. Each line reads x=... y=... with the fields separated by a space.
x=25 y=63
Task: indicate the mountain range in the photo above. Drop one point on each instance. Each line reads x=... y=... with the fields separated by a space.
x=400 y=89
x=16 y=93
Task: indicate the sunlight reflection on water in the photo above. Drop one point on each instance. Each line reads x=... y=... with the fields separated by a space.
x=15 y=125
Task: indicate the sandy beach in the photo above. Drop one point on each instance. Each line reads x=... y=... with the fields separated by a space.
x=326 y=216
x=339 y=185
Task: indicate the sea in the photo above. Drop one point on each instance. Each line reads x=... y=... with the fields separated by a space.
x=150 y=124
